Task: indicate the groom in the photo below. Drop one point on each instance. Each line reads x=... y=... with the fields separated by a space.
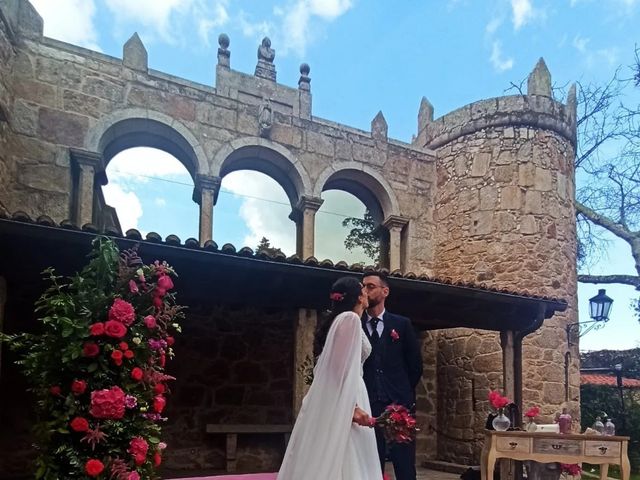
x=392 y=371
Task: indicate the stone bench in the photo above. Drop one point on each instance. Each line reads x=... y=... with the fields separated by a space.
x=232 y=431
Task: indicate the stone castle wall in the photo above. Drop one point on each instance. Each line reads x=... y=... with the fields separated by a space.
x=6 y=99
x=505 y=211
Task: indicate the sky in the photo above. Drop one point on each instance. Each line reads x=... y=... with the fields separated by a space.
x=365 y=56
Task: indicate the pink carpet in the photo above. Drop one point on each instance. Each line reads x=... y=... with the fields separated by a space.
x=250 y=476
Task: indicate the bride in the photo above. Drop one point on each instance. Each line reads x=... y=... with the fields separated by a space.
x=331 y=438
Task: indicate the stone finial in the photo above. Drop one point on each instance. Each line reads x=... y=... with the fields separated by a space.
x=224 y=54
x=425 y=114
x=379 y=127
x=265 y=118
x=265 y=67
x=134 y=55
x=304 y=83
x=539 y=82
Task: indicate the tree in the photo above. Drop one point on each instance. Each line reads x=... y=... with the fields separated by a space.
x=608 y=168
x=265 y=247
x=363 y=235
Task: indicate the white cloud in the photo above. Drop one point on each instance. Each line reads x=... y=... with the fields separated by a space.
x=523 y=12
x=160 y=202
x=140 y=163
x=126 y=203
x=167 y=18
x=81 y=31
x=500 y=63
x=580 y=43
x=254 y=29
x=493 y=25
x=329 y=9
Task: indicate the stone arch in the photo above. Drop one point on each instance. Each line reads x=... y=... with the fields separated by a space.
x=265 y=156
x=364 y=183
x=138 y=127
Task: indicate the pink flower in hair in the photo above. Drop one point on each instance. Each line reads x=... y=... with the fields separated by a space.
x=337 y=297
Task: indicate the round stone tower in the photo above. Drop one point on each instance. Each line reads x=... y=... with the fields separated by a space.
x=505 y=218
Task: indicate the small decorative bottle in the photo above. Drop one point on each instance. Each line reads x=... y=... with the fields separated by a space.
x=598 y=426
x=609 y=427
x=564 y=422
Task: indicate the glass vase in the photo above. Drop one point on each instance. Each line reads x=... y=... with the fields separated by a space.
x=530 y=426
x=501 y=423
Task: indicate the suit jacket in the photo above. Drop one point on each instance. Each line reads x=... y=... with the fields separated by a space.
x=401 y=361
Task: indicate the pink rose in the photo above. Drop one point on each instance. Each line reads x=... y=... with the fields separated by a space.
x=165 y=282
x=394 y=335
x=122 y=311
x=133 y=286
x=115 y=329
x=150 y=322
x=158 y=403
x=96 y=329
x=78 y=387
x=138 y=448
x=107 y=403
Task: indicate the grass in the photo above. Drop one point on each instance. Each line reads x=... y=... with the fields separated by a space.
x=614 y=471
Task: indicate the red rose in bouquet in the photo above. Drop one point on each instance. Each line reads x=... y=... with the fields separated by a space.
x=397 y=424
x=107 y=403
x=532 y=412
x=94 y=467
x=498 y=401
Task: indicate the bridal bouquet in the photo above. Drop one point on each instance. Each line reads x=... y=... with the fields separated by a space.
x=397 y=424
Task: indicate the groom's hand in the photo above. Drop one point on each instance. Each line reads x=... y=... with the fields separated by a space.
x=361 y=417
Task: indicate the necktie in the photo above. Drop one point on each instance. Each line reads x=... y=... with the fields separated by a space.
x=375 y=337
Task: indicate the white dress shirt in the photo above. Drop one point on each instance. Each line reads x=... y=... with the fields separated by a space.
x=380 y=327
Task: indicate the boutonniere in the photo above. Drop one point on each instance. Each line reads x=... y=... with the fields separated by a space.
x=394 y=335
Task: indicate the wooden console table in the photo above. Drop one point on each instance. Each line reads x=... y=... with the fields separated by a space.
x=554 y=447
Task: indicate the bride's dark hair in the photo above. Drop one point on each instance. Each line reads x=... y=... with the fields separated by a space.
x=344 y=296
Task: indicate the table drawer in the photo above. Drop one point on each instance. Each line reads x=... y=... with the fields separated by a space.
x=602 y=449
x=513 y=444
x=557 y=446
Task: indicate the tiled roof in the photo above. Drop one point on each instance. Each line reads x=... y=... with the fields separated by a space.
x=229 y=249
x=607 y=380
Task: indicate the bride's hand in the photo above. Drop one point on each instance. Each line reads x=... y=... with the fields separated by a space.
x=361 y=417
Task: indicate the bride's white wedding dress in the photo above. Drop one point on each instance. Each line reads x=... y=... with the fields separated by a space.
x=325 y=444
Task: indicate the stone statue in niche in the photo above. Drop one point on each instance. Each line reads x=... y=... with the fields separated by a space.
x=265 y=118
x=265 y=67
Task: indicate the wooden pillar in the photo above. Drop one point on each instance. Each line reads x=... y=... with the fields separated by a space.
x=304 y=214
x=395 y=225
x=304 y=332
x=205 y=194
x=85 y=166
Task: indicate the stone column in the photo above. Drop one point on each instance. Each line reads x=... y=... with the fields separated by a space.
x=394 y=225
x=85 y=166
x=205 y=194
x=304 y=214
x=304 y=333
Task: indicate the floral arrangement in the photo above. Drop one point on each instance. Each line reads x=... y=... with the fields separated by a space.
x=532 y=413
x=397 y=424
x=97 y=367
x=497 y=401
x=573 y=469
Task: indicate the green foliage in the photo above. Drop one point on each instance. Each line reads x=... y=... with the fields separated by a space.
x=265 y=247
x=605 y=401
x=363 y=235
x=106 y=329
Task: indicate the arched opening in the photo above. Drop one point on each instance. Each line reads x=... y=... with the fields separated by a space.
x=151 y=191
x=253 y=210
x=345 y=229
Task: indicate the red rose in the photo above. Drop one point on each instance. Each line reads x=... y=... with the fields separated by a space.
x=157 y=302
x=170 y=341
x=160 y=292
x=122 y=312
x=93 y=467
x=137 y=374
x=138 y=447
x=133 y=476
x=90 y=349
x=159 y=388
x=55 y=390
x=133 y=286
x=165 y=282
x=150 y=322
x=116 y=356
x=79 y=424
x=78 y=387
x=107 y=403
x=115 y=329
x=158 y=403
x=163 y=360
x=129 y=354
x=123 y=346
x=96 y=329
x=157 y=459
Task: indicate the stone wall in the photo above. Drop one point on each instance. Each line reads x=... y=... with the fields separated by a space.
x=506 y=219
x=6 y=60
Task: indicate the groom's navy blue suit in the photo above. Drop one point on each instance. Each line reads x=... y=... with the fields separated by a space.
x=391 y=374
